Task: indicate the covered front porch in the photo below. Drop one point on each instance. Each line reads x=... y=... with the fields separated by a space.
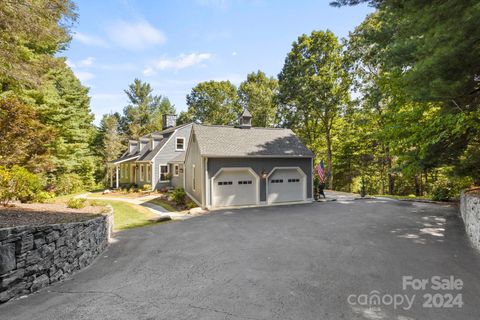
x=129 y=173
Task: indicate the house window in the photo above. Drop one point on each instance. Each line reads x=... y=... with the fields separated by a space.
x=245 y=182
x=176 y=169
x=141 y=173
x=163 y=172
x=149 y=172
x=276 y=181
x=193 y=177
x=180 y=144
x=225 y=183
x=293 y=180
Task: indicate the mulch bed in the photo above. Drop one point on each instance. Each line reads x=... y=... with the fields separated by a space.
x=474 y=191
x=40 y=214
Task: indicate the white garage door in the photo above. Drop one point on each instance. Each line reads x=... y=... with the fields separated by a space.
x=234 y=187
x=286 y=184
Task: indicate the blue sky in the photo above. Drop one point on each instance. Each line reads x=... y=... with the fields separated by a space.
x=174 y=45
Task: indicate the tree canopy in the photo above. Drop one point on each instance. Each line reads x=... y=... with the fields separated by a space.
x=144 y=113
x=213 y=102
x=313 y=89
x=258 y=95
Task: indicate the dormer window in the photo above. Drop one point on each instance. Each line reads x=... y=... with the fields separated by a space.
x=180 y=144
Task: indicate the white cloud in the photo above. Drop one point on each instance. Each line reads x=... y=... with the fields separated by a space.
x=234 y=53
x=148 y=72
x=89 y=39
x=87 y=62
x=181 y=62
x=135 y=35
x=70 y=63
x=84 y=76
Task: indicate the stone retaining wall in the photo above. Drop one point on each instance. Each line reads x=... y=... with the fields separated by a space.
x=470 y=211
x=32 y=257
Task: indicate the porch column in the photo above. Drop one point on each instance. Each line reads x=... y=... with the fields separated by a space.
x=110 y=170
x=116 y=177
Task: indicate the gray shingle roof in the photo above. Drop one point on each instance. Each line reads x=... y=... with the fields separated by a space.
x=147 y=156
x=166 y=131
x=225 y=141
x=127 y=155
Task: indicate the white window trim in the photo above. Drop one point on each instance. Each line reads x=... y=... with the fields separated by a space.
x=160 y=171
x=148 y=172
x=176 y=170
x=193 y=178
x=142 y=173
x=176 y=144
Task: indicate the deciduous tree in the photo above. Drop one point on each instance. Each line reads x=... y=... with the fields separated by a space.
x=313 y=89
x=214 y=102
x=257 y=94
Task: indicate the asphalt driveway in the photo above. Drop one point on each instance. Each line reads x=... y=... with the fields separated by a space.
x=288 y=262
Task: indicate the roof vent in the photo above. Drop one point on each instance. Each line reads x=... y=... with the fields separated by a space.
x=245 y=120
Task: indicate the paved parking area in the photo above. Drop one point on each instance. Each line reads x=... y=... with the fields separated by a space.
x=283 y=262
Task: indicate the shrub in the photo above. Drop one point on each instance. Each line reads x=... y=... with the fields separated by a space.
x=191 y=205
x=147 y=187
x=179 y=196
x=6 y=194
x=18 y=183
x=76 y=203
x=95 y=203
x=43 y=197
x=442 y=190
x=69 y=183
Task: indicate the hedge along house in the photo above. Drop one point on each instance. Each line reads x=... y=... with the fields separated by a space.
x=147 y=161
x=229 y=166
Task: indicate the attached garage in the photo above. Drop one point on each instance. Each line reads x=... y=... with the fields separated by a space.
x=286 y=185
x=247 y=166
x=235 y=187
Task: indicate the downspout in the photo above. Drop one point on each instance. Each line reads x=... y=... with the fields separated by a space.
x=202 y=181
x=152 y=175
x=312 y=172
x=207 y=184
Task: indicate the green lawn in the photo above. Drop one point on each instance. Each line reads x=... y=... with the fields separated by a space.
x=164 y=204
x=127 y=215
x=64 y=198
x=403 y=197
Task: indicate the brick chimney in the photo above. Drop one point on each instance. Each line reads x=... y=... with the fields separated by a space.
x=168 y=121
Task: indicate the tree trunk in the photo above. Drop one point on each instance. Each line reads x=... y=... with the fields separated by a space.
x=391 y=177
x=417 y=186
x=329 y=161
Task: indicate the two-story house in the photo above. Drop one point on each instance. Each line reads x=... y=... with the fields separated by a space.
x=155 y=159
